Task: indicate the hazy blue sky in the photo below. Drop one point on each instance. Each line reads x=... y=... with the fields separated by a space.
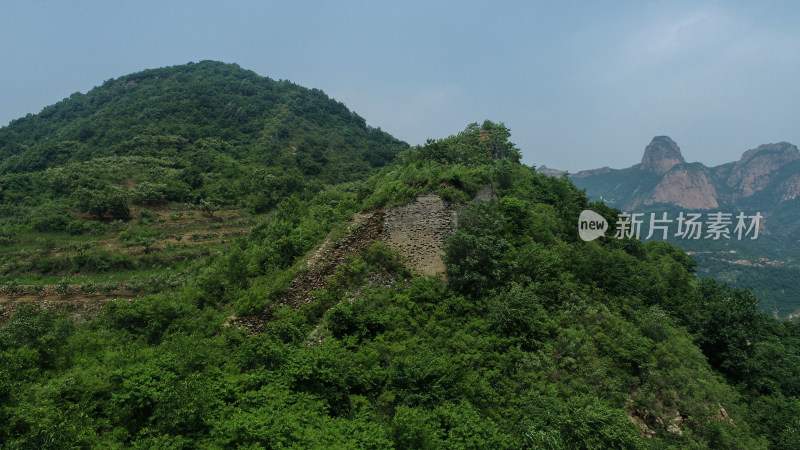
x=580 y=84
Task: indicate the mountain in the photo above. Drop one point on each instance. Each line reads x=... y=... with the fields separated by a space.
x=193 y=111
x=664 y=177
x=661 y=155
x=757 y=168
x=119 y=190
x=765 y=179
x=209 y=288
x=552 y=172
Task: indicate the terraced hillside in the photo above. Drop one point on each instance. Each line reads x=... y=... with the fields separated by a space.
x=248 y=299
x=126 y=189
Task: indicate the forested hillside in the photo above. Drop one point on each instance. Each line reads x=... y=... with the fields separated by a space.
x=116 y=191
x=229 y=134
x=533 y=339
x=198 y=113
x=763 y=181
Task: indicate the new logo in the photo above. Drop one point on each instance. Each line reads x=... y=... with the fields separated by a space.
x=591 y=225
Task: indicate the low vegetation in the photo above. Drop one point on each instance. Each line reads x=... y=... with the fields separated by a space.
x=536 y=339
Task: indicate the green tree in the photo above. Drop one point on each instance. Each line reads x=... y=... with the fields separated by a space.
x=144 y=238
x=727 y=329
x=208 y=207
x=474 y=253
x=108 y=202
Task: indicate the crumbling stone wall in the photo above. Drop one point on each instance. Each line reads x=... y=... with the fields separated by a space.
x=417 y=231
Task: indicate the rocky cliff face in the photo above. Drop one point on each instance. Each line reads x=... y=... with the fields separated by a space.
x=664 y=176
x=789 y=189
x=756 y=168
x=661 y=155
x=550 y=171
x=688 y=187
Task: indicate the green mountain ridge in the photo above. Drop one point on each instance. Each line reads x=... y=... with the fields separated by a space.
x=172 y=110
x=535 y=339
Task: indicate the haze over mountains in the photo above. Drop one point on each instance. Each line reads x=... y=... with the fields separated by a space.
x=765 y=180
x=769 y=174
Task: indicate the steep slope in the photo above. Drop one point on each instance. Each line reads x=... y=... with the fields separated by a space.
x=661 y=155
x=757 y=167
x=687 y=186
x=127 y=188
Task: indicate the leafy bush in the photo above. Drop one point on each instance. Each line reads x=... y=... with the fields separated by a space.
x=13 y=286
x=6 y=239
x=110 y=201
x=77 y=227
x=88 y=287
x=148 y=317
x=44 y=331
x=147 y=193
x=209 y=207
x=109 y=287
x=145 y=216
x=474 y=253
x=50 y=222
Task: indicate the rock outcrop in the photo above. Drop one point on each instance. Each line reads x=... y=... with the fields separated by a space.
x=686 y=186
x=756 y=168
x=789 y=189
x=664 y=176
x=550 y=171
x=416 y=230
x=661 y=155
x=322 y=263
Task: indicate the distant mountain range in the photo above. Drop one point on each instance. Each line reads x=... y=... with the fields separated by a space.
x=768 y=174
x=765 y=179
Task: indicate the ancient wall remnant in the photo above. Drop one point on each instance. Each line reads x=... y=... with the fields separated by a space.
x=417 y=231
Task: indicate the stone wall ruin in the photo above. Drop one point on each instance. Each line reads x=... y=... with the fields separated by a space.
x=417 y=231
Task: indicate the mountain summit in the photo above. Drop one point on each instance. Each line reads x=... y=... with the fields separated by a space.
x=661 y=155
x=757 y=166
x=764 y=176
x=206 y=113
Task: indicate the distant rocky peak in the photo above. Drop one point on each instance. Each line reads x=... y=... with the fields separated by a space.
x=782 y=151
x=550 y=171
x=661 y=155
x=757 y=166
